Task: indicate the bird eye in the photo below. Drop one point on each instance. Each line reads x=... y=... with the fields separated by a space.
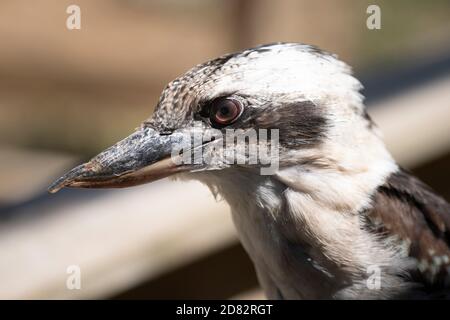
x=225 y=111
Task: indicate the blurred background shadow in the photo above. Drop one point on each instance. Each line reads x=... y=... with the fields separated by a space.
x=66 y=94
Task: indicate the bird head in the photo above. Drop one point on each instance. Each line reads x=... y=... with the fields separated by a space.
x=305 y=99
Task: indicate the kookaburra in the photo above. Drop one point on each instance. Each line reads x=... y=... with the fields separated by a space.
x=338 y=206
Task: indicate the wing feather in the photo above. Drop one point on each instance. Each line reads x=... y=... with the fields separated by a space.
x=408 y=209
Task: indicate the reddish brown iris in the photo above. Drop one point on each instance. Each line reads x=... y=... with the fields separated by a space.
x=225 y=111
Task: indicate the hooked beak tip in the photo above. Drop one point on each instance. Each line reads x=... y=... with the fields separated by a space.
x=54 y=188
x=67 y=179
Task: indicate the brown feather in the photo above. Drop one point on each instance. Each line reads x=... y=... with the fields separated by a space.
x=407 y=208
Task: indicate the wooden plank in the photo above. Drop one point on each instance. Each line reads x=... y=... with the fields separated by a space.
x=415 y=124
x=117 y=240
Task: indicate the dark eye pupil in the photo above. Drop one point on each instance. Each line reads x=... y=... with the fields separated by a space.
x=224 y=111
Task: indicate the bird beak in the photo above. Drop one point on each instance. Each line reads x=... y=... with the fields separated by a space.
x=142 y=157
